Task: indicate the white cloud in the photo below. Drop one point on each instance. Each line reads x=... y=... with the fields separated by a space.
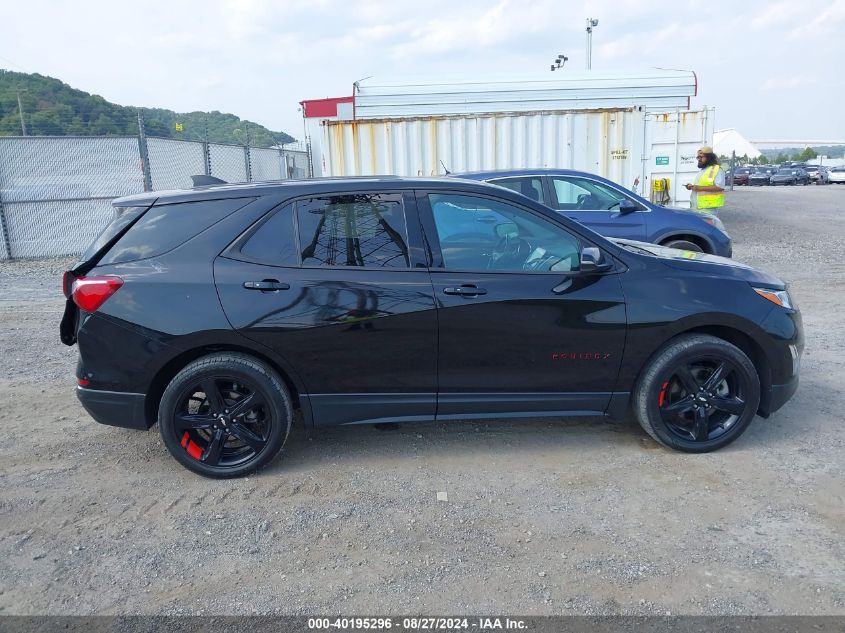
x=828 y=21
x=258 y=58
x=791 y=82
x=473 y=30
x=778 y=14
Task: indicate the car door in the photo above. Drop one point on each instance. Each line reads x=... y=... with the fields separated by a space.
x=521 y=329
x=596 y=205
x=337 y=286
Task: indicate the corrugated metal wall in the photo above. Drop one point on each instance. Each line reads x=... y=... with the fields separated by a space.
x=596 y=141
x=621 y=145
x=673 y=138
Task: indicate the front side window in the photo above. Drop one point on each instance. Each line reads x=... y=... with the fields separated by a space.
x=582 y=194
x=478 y=233
x=361 y=230
x=529 y=186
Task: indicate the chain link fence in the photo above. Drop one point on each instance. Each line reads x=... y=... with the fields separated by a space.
x=56 y=192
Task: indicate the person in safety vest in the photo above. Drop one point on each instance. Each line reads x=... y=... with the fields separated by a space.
x=708 y=189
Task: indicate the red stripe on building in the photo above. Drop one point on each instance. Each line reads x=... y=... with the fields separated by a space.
x=322 y=108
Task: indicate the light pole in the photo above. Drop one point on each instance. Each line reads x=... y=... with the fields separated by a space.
x=591 y=24
x=20 y=108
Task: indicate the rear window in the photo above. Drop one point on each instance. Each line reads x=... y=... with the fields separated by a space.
x=123 y=217
x=163 y=228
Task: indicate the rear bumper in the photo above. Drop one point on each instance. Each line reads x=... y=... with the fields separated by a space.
x=115 y=408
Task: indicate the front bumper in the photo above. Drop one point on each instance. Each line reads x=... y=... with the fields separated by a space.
x=778 y=396
x=115 y=408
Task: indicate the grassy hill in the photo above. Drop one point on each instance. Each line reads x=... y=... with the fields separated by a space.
x=52 y=108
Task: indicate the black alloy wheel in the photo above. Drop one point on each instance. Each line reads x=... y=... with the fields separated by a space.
x=697 y=394
x=225 y=419
x=225 y=415
x=703 y=398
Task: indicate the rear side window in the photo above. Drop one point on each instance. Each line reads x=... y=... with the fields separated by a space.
x=366 y=230
x=165 y=227
x=274 y=242
x=123 y=217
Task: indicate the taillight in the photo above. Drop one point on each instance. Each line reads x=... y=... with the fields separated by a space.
x=67 y=280
x=89 y=293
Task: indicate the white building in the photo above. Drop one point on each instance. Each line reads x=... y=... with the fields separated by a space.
x=729 y=140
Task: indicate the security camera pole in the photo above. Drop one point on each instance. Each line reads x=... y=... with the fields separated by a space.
x=591 y=24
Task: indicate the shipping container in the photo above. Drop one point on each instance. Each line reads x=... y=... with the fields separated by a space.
x=632 y=146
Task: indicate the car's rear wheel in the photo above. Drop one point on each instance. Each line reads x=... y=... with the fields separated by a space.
x=225 y=415
x=684 y=245
x=698 y=394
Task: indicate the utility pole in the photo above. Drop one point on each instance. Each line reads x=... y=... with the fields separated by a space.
x=591 y=24
x=142 y=149
x=20 y=109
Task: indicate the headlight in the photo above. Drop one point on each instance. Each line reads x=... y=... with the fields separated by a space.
x=780 y=297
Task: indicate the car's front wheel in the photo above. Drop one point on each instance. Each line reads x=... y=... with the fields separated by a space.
x=225 y=415
x=698 y=394
x=684 y=245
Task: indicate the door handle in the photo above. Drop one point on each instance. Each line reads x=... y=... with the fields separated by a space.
x=266 y=285
x=465 y=290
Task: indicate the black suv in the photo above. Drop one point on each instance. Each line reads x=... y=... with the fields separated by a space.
x=219 y=311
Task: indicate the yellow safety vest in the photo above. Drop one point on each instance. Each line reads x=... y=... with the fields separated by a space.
x=709 y=199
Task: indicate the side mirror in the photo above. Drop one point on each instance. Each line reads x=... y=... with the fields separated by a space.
x=507 y=229
x=627 y=206
x=592 y=260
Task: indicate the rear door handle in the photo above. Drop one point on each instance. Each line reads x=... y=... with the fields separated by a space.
x=266 y=284
x=465 y=290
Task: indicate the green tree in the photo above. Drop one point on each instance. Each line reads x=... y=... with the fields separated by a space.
x=807 y=154
x=53 y=108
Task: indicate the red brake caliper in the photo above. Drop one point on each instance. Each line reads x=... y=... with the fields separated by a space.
x=659 y=402
x=192 y=447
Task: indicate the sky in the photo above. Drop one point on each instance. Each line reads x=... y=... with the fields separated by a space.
x=772 y=69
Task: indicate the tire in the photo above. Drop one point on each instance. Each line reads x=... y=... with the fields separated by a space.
x=249 y=430
x=684 y=245
x=661 y=394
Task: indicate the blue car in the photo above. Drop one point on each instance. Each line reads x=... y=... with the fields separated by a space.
x=612 y=210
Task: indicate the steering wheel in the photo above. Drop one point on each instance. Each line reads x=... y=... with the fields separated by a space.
x=510 y=253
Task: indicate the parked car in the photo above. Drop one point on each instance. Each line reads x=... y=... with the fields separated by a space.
x=218 y=311
x=790 y=176
x=761 y=176
x=612 y=210
x=740 y=175
x=818 y=174
x=837 y=175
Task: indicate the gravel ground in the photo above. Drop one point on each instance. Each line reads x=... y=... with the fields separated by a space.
x=575 y=516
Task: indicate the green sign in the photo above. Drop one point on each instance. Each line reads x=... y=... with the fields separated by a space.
x=661 y=160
